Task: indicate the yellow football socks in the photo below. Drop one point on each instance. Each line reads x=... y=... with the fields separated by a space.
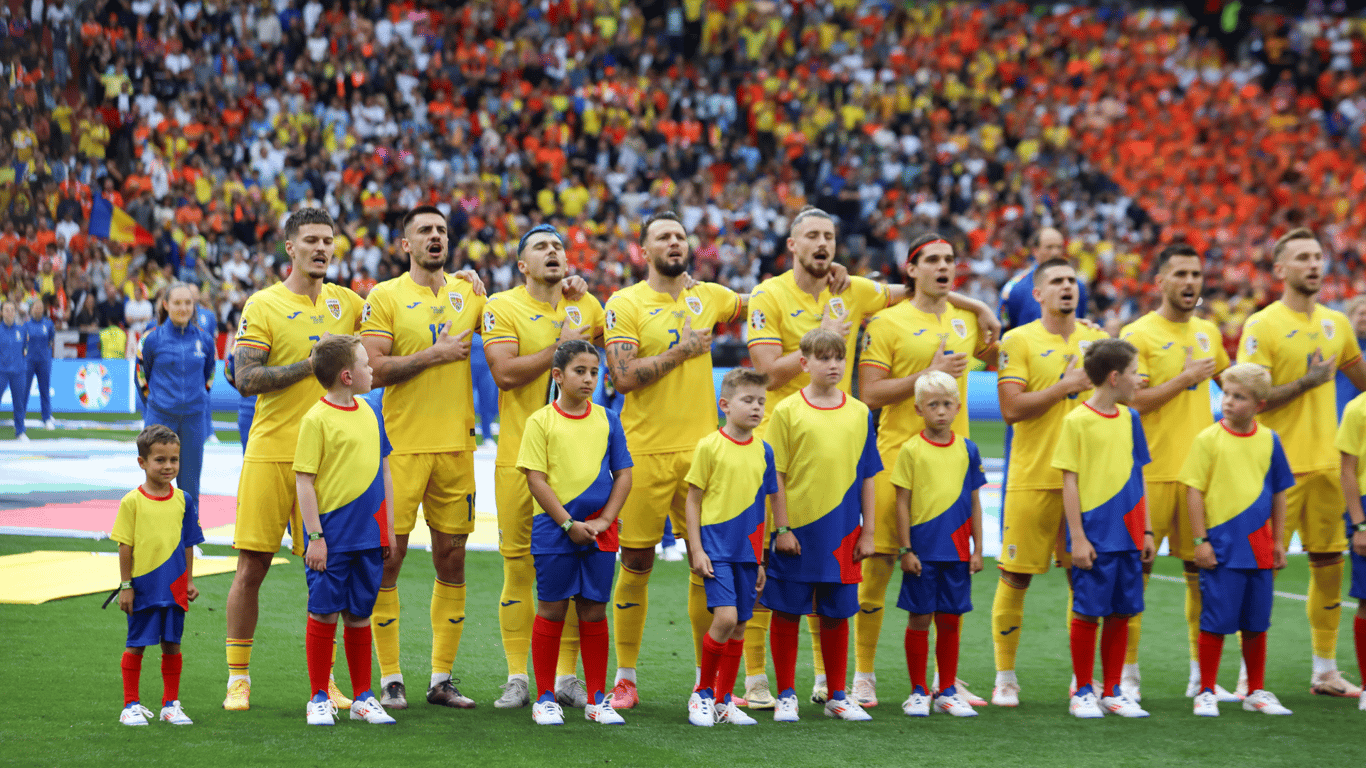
x=448 y=623
x=813 y=624
x=1325 y=607
x=1193 y=606
x=516 y=611
x=698 y=615
x=569 y=643
x=756 y=636
x=1007 y=618
x=384 y=627
x=239 y=657
x=1135 y=631
x=629 y=604
x=872 y=597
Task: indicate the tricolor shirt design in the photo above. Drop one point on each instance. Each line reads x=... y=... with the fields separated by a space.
x=1238 y=475
x=735 y=479
x=941 y=478
x=1108 y=453
x=158 y=528
x=345 y=448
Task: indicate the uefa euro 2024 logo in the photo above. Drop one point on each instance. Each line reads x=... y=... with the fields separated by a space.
x=93 y=387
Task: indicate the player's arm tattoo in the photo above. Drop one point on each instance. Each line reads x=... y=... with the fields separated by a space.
x=629 y=373
x=254 y=377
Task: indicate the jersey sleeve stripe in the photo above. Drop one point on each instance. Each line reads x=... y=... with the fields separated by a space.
x=254 y=344
x=1349 y=363
x=875 y=364
x=500 y=340
x=1012 y=379
x=761 y=342
x=377 y=332
x=622 y=340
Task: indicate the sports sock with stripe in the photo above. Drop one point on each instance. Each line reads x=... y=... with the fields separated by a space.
x=1114 y=637
x=239 y=657
x=131 y=667
x=448 y=624
x=1007 y=618
x=756 y=637
x=320 y=640
x=568 y=664
x=358 y=642
x=835 y=651
x=1211 y=648
x=516 y=611
x=947 y=626
x=917 y=657
x=1193 y=608
x=872 y=598
x=698 y=616
x=545 y=651
x=171 y=665
x=1254 y=655
x=782 y=639
x=630 y=602
x=728 y=669
x=1082 y=638
x=1324 y=607
x=595 y=644
x=384 y=620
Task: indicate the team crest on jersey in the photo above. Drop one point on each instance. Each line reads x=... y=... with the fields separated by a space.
x=1250 y=344
x=757 y=321
x=457 y=301
x=334 y=306
x=960 y=327
x=1082 y=346
x=611 y=319
x=1329 y=328
x=488 y=321
x=1203 y=340
x=694 y=303
x=572 y=315
x=837 y=306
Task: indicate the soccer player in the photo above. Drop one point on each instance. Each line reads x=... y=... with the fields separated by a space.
x=523 y=327
x=578 y=470
x=1237 y=477
x=1351 y=443
x=1101 y=452
x=730 y=477
x=1040 y=381
x=1302 y=343
x=416 y=329
x=157 y=528
x=1018 y=305
x=825 y=454
x=1178 y=354
x=659 y=356
x=937 y=476
x=903 y=343
x=346 y=499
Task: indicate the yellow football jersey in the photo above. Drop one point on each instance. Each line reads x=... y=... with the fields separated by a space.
x=433 y=412
x=671 y=414
x=1283 y=341
x=1352 y=436
x=903 y=340
x=780 y=313
x=1162 y=347
x=515 y=317
x=1032 y=356
x=286 y=325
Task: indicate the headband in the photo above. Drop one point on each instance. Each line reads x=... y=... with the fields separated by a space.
x=911 y=256
x=537 y=230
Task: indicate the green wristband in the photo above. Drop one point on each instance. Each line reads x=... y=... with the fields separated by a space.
x=125 y=585
x=314 y=536
x=567 y=524
x=1200 y=540
x=905 y=551
x=1359 y=527
x=780 y=530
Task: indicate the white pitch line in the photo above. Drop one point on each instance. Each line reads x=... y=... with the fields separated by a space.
x=1278 y=593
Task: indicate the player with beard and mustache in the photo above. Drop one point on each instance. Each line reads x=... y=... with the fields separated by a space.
x=1303 y=343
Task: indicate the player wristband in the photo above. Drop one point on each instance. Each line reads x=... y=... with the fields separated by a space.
x=1359 y=527
x=1200 y=540
x=905 y=551
x=567 y=524
x=1148 y=533
x=125 y=585
x=780 y=530
x=314 y=536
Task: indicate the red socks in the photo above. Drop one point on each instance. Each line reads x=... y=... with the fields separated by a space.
x=545 y=653
x=782 y=634
x=835 y=654
x=319 y=639
x=1083 y=640
x=917 y=656
x=728 y=669
x=171 y=664
x=946 y=647
x=132 y=670
x=1359 y=632
x=357 y=642
x=1254 y=654
x=711 y=661
x=1114 y=642
x=1211 y=648
x=593 y=644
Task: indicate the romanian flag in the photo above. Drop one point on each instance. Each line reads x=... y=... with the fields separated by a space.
x=110 y=222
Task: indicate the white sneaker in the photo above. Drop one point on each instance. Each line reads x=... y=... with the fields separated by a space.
x=1085 y=706
x=1240 y=690
x=701 y=711
x=516 y=693
x=1206 y=704
x=603 y=713
x=671 y=555
x=865 y=692
x=730 y=713
x=174 y=715
x=916 y=705
x=213 y=438
x=547 y=713
x=785 y=710
x=49 y=424
x=971 y=698
x=1332 y=683
x=320 y=712
x=1264 y=701
x=819 y=693
x=1361 y=702
x=134 y=714
x=571 y=692
x=1123 y=706
x=24 y=439
x=758 y=695
x=1221 y=693
x=846 y=709
x=371 y=711
x=954 y=704
x=1129 y=683
x=1006 y=695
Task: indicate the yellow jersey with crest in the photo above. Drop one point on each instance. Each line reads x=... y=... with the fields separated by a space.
x=903 y=340
x=1283 y=341
x=286 y=325
x=516 y=317
x=433 y=412
x=670 y=414
x=1162 y=346
x=1032 y=356
x=780 y=313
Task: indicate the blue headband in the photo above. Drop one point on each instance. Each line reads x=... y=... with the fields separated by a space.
x=537 y=230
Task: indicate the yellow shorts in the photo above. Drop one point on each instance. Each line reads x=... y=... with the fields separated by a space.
x=885 y=540
x=1033 y=535
x=1314 y=507
x=1167 y=510
x=513 y=497
x=658 y=489
x=266 y=503
x=443 y=483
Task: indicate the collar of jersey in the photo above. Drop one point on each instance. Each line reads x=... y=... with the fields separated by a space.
x=167 y=497
x=1114 y=415
x=733 y=440
x=844 y=398
x=952 y=437
x=1223 y=423
x=355 y=403
x=562 y=412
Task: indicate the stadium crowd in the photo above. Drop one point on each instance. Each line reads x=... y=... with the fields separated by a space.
x=1125 y=128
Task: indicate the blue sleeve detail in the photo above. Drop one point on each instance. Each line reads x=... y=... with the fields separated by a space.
x=1281 y=476
x=1141 y=456
x=619 y=455
x=870 y=463
x=976 y=477
x=190 y=532
x=384 y=447
x=770 y=472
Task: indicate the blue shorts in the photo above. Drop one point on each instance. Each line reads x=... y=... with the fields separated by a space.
x=150 y=626
x=1114 y=584
x=733 y=585
x=944 y=587
x=586 y=574
x=350 y=583
x=830 y=599
x=1236 y=598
